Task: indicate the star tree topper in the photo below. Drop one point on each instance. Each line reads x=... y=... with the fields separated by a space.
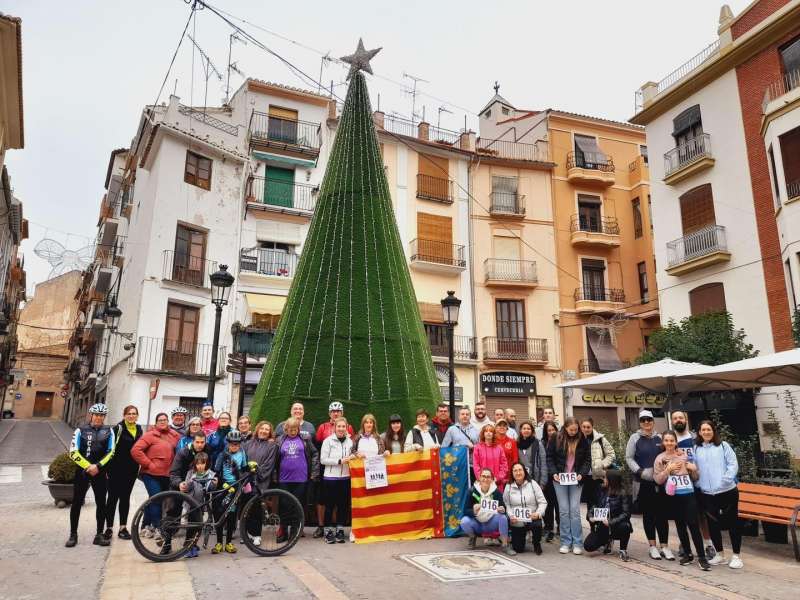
x=359 y=60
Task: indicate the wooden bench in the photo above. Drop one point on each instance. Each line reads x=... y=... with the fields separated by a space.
x=773 y=504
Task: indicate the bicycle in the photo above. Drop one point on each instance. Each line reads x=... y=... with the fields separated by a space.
x=269 y=524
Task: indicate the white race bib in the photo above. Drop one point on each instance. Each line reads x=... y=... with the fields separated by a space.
x=521 y=514
x=375 y=472
x=489 y=504
x=599 y=514
x=683 y=484
x=689 y=454
x=568 y=478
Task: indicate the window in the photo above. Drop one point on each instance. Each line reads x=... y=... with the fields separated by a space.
x=29 y=383
x=650 y=212
x=265 y=321
x=686 y=127
x=790 y=150
x=180 y=338
x=504 y=110
x=275 y=258
x=707 y=298
x=776 y=190
x=790 y=57
x=435 y=238
x=189 y=265
x=488 y=113
x=506 y=247
x=587 y=153
x=643 y=152
x=589 y=215
x=510 y=316
x=504 y=194
x=437 y=338
x=697 y=209
x=197 y=170
x=593 y=276
x=193 y=405
x=637 y=218
x=643 y=289
x=282 y=125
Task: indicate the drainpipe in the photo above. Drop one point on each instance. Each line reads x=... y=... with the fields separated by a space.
x=476 y=377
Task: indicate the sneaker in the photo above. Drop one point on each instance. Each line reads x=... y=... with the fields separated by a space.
x=217 y=549
x=99 y=540
x=256 y=540
x=537 y=548
x=576 y=550
x=330 y=537
x=147 y=531
x=471 y=542
x=509 y=550
x=230 y=548
x=71 y=542
x=704 y=564
x=718 y=559
x=623 y=556
x=711 y=552
x=667 y=553
x=194 y=552
x=340 y=536
x=681 y=552
x=108 y=533
x=736 y=562
x=654 y=553
x=607 y=549
x=166 y=549
x=686 y=559
x=564 y=549
x=123 y=534
x=550 y=537
x=318 y=532
x=159 y=539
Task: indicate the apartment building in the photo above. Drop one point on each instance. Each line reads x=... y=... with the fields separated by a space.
x=724 y=126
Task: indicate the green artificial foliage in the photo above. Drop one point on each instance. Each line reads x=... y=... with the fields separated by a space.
x=351 y=330
x=796 y=327
x=709 y=339
x=62 y=469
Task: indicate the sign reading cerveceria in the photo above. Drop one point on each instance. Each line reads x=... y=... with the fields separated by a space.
x=624 y=398
x=508 y=383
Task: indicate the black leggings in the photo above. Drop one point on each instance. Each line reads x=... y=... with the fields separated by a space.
x=722 y=512
x=601 y=536
x=337 y=498
x=120 y=486
x=653 y=518
x=684 y=509
x=518 y=534
x=99 y=484
x=299 y=491
x=552 y=506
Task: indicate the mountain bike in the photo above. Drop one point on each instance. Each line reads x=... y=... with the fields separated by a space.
x=270 y=523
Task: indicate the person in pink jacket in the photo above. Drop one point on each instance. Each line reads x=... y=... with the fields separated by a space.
x=490 y=455
x=154 y=452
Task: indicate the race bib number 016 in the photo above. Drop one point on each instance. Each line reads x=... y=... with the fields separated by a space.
x=568 y=478
x=682 y=483
x=521 y=514
x=375 y=472
x=599 y=514
x=489 y=504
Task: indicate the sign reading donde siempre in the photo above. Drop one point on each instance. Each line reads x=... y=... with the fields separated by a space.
x=375 y=472
x=508 y=383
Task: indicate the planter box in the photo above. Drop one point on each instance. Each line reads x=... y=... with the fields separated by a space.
x=775 y=533
x=748 y=527
x=62 y=493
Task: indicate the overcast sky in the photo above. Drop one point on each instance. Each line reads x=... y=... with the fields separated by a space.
x=90 y=66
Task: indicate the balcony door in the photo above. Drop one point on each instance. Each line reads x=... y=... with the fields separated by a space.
x=279 y=187
x=188 y=264
x=274 y=259
x=282 y=125
x=593 y=273
x=180 y=338
x=587 y=153
x=435 y=238
x=589 y=213
x=697 y=212
x=437 y=338
x=510 y=327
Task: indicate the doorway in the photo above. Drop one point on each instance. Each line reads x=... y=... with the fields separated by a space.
x=43 y=404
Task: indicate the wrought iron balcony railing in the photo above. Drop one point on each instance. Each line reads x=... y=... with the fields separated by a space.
x=267 y=261
x=688 y=152
x=187 y=269
x=435 y=251
x=177 y=357
x=503 y=269
x=593 y=161
x=594 y=224
x=439 y=189
x=523 y=349
x=282 y=194
x=288 y=134
x=699 y=243
x=593 y=293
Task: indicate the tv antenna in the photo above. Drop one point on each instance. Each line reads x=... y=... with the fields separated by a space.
x=231 y=65
x=323 y=62
x=442 y=109
x=208 y=68
x=413 y=92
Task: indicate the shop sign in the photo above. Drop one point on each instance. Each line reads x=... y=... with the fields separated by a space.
x=508 y=383
x=624 y=399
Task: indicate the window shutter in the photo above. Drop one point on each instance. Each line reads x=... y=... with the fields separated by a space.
x=697 y=208
x=282 y=113
x=430 y=312
x=433 y=166
x=707 y=298
x=686 y=120
x=506 y=247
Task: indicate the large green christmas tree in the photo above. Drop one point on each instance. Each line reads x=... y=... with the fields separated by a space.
x=351 y=330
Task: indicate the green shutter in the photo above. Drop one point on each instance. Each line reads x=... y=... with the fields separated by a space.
x=279 y=187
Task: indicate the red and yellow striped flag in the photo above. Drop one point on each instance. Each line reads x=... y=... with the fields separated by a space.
x=409 y=508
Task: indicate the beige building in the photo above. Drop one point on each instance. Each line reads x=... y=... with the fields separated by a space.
x=43 y=350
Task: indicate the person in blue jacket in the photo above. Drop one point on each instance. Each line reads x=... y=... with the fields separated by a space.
x=230 y=466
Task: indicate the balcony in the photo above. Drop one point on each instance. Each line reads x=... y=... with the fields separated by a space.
x=507 y=204
x=638 y=170
x=590 y=168
x=187 y=270
x=591 y=230
x=793 y=189
x=104 y=278
x=173 y=357
x=285 y=197
x=108 y=232
x=464 y=347
x=591 y=299
x=438 y=189
x=587 y=367
x=697 y=250
x=528 y=350
x=689 y=158
x=301 y=139
x=96 y=321
x=278 y=265
x=435 y=256
x=508 y=150
x=111 y=254
x=510 y=273
x=786 y=89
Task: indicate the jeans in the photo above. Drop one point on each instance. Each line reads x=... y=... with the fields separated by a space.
x=569 y=506
x=497 y=524
x=153 y=485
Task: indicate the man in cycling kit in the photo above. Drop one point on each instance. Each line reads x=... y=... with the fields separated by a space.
x=178 y=416
x=91 y=449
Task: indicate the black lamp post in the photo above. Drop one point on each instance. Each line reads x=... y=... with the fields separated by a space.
x=221 y=283
x=113 y=314
x=450 y=307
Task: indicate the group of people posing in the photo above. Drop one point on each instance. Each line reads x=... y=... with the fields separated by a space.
x=529 y=479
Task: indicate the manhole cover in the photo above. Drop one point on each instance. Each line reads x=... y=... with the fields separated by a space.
x=466 y=565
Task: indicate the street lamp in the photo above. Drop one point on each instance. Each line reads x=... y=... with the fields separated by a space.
x=221 y=283
x=450 y=307
x=113 y=314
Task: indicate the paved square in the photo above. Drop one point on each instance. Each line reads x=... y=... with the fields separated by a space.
x=463 y=566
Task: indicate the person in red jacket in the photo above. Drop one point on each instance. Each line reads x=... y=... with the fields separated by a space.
x=509 y=445
x=209 y=423
x=487 y=454
x=154 y=452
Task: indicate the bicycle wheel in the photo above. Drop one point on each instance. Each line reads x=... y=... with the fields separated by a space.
x=271 y=523
x=181 y=519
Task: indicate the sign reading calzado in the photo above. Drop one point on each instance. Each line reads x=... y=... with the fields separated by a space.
x=624 y=398
x=508 y=383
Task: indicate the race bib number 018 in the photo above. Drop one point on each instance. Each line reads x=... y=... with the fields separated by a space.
x=682 y=483
x=489 y=504
x=599 y=514
x=521 y=514
x=568 y=478
x=375 y=472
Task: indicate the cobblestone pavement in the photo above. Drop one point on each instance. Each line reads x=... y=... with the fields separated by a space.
x=35 y=564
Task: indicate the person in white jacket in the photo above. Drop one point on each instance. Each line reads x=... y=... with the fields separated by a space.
x=420 y=436
x=335 y=455
x=525 y=506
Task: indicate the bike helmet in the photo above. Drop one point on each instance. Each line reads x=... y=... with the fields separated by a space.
x=179 y=410
x=98 y=409
x=335 y=406
x=234 y=436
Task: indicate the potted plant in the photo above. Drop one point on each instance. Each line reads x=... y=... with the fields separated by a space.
x=61 y=476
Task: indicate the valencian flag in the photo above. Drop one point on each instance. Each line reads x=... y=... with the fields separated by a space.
x=424 y=497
